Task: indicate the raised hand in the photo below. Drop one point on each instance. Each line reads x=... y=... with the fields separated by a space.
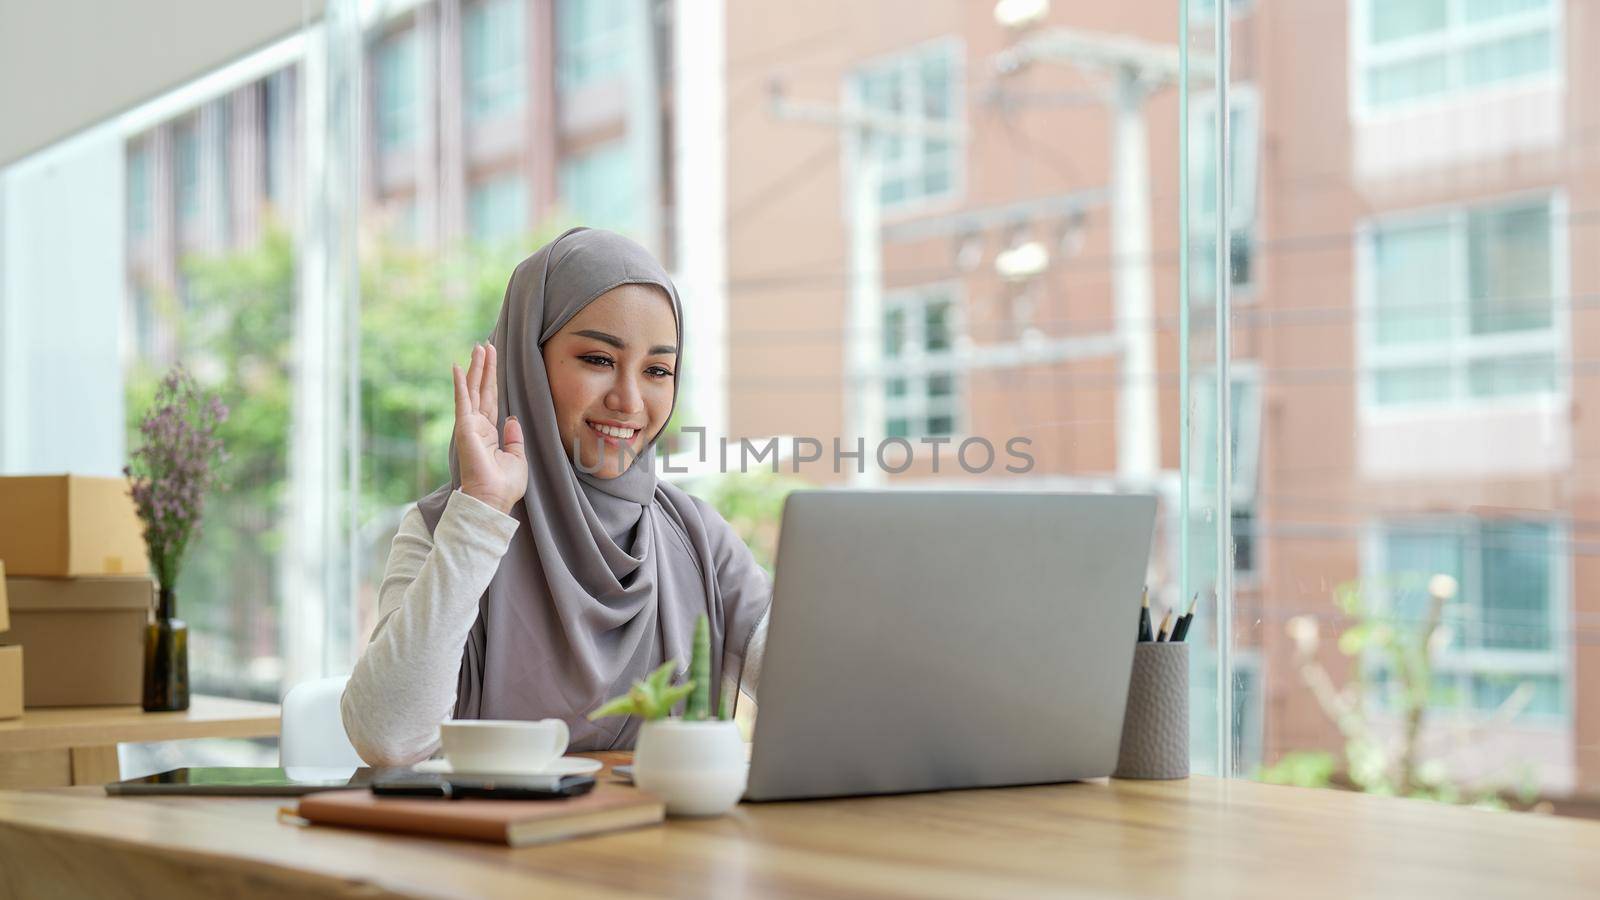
x=495 y=474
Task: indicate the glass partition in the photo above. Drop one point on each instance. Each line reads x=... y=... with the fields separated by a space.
x=1411 y=482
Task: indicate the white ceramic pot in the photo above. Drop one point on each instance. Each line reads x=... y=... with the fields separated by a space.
x=697 y=768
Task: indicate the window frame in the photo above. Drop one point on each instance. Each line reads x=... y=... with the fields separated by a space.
x=382 y=110
x=1460 y=664
x=1461 y=348
x=1247 y=416
x=507 y=83
x=1244 y=204
x=187 y=180
x=572 y=163
x=484 y=192
x=918 y=365
x=600 y=44
x=139 y=218
x=852 y=102
x=1204 y=12
x=1457 y=37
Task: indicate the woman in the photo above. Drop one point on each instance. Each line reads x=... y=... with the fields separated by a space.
x=547 y=576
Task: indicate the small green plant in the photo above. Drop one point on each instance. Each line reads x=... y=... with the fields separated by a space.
x=699 y=705
x=653 y=697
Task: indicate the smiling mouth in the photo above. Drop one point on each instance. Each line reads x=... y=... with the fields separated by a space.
x=613 y=434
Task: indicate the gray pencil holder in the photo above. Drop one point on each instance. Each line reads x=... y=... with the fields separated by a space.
x=1155 y=728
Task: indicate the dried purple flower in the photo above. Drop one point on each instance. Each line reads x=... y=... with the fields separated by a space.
x=170 y=474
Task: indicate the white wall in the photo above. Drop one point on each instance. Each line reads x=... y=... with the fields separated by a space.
x=61 y=302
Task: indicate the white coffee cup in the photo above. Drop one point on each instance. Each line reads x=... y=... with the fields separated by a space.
x=492 y=745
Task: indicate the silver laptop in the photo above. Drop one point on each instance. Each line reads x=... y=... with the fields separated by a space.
x=947 y=639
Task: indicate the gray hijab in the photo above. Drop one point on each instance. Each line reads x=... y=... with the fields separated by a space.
x=604 y=578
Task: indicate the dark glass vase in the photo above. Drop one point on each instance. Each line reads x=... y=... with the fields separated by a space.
x=166 y=659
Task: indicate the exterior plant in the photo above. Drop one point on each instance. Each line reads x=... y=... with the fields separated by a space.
x=1374 y=760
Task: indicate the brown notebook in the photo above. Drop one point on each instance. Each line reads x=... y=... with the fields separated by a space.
x=515 y=822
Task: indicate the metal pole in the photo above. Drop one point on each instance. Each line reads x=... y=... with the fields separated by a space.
x=865 y=317
x=700 y=227
x=1224 y=411
x=1138 y=418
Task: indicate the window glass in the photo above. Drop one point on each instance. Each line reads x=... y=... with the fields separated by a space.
x=498 y=209
x=1418 y=51
x=918 y=87
x=588 y=35
x=398 y=111
x=492 y=58
x=600 y=187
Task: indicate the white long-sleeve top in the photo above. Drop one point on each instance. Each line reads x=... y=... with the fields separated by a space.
x=404 y=685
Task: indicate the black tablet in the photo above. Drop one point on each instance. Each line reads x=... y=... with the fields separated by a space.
x=239 y=781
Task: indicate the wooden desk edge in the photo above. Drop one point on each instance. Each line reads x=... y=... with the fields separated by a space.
x=166 y=870
x=207 y=717
x=157 y=842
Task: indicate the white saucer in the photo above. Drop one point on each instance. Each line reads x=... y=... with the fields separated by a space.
x=566 y=765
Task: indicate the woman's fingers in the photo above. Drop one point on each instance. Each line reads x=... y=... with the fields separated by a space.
x=513 y=437
x=463 y=400
x=475 y=377
x=489 y=396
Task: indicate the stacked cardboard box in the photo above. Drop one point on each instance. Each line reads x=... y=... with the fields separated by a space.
x=10 y=661
x=78 y=593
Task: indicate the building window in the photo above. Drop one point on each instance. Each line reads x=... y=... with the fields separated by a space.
x=600 y=189
x=1504 y=624
x=403 y=220
x=921 y=384
x=1460 y=307
x=920 y=87
x=277 y=106
x=1244 y=139
x=497 y=209
x=138 y=192
x=1245 y=408
x=144 y=322
x=1201 y=11
x=590 y=40
x=397 y=108
x=1412 y=53
x=493 y=39
x=186 y=171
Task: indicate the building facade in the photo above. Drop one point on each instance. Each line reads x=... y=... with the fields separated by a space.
x=481 y=120
x=1412 y=192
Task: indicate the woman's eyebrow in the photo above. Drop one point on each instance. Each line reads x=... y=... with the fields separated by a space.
x=620 y=344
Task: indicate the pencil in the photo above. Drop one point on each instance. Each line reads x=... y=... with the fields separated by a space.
x=1144 y=618
x=1165 y=633
x=1181 y=630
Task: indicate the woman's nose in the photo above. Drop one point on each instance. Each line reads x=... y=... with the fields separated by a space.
x=625 y=396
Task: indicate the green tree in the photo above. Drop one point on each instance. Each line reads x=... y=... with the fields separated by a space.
x=420 y=311
x=752 y=503
x=234 y=328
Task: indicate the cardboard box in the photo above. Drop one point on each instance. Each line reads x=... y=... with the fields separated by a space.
x=10 y=682
x=69 y=525
x=5 y=620
x=84 y=638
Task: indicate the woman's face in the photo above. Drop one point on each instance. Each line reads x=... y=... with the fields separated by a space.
x=613 y=370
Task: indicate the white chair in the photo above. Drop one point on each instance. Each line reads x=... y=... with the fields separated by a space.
x=312 y=731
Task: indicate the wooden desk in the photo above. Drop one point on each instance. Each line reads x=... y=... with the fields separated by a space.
x=52 y=747
x=1200 y=837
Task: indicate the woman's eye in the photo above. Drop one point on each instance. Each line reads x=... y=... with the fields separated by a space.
x=597 y=360
x=659 y=372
